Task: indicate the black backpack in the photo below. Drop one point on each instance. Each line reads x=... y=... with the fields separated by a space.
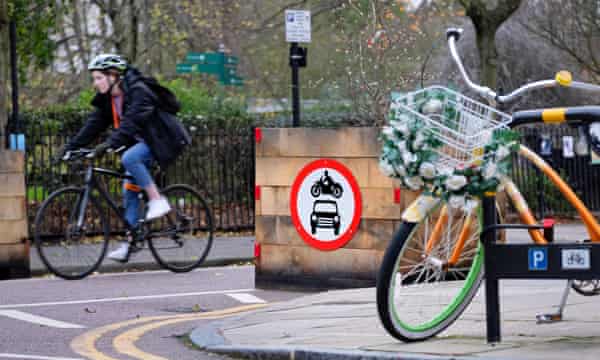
x=168 y=136
x=166 y=99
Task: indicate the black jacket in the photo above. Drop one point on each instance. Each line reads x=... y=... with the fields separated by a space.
x=140 y=113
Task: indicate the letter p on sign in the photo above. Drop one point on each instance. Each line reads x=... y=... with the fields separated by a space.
x=538 y=259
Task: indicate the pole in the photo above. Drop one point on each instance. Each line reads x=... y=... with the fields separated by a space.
x=295 y=87
x=16 y=126
x=492 y=296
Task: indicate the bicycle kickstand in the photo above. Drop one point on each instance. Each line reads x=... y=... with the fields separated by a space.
x=557 y=316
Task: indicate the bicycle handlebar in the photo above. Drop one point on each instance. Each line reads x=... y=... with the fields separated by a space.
x=563 y=78
x=73 y=155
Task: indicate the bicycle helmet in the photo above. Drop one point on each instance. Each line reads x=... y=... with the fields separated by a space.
x=104 y=62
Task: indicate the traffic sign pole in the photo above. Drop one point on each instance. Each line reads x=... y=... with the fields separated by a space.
x=295 y=86
x=297 y=29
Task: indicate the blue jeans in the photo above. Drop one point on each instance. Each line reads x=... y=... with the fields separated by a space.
x=136 y=160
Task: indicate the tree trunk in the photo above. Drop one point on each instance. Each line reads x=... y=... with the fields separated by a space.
x=4 y=70
x=487 y=16
x=488 y=57
x=62 y=26
x=77 y=29
x=133 y=31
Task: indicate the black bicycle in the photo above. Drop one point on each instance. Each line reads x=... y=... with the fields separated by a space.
x=72 y=228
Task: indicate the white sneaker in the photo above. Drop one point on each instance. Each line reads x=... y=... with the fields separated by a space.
x=157 y=208
x=121 y=253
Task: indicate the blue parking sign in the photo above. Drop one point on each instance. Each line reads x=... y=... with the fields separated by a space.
x=538 y=259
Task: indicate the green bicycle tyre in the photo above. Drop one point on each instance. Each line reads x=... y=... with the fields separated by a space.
x=416 y=299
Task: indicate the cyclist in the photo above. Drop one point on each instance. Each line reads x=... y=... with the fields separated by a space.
x=124 y=101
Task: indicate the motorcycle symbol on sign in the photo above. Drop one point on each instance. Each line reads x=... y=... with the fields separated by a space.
x=326 y=185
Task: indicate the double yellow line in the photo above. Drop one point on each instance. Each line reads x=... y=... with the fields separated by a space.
x=85 y=344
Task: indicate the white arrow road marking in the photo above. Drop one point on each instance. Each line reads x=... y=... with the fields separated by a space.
x=19 y=315
x=247 y=298
x=35 y=357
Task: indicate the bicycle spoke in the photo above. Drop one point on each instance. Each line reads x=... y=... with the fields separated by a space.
x=183 y=241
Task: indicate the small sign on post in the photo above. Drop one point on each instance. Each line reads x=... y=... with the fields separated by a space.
x=297 y=26
x=297 y=29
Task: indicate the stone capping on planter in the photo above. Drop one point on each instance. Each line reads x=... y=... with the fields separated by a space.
x=14 y=246
x=280 y=155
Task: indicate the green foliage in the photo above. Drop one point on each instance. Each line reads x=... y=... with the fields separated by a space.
x=84 y=99
x=205 y=108
x=36 y=20
x=199 y=105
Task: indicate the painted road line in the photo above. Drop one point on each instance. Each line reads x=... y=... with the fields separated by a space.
x=148 y=273
x=19 y=315
x=85 y=344
x=124 y=298
x=247 y=298
x=35 y=357
x=125 y=343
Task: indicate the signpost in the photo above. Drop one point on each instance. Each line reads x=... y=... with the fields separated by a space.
x=224 y=67
x=297 y=29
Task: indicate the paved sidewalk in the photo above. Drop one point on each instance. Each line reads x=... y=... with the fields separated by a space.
x=224 y=251
x=344 y=324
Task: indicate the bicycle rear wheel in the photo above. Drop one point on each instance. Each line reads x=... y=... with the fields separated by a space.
x=181 y=240
x=69 y=251
x=419 y=294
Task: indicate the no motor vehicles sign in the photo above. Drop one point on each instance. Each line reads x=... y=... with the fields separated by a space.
x=325 y=204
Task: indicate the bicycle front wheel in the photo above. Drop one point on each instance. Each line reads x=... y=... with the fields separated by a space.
x=181 y=240
x=423 y=286
x=67 y=249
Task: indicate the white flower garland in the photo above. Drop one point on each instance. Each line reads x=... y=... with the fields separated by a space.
x=409 y=155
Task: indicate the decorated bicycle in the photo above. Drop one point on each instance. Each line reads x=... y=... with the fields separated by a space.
x=455 y=151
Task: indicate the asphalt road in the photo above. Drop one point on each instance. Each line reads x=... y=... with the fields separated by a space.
x=143 y=315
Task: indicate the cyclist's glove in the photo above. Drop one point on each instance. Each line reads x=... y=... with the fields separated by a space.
x=100 y=149
x=61 y=155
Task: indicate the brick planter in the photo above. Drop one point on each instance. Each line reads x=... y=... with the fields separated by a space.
x=284 y=255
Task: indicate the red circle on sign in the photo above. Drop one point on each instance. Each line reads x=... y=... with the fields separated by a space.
x=347 y=235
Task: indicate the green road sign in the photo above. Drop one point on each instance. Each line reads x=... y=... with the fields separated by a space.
x=232 y=80
x=216 y=69
x=211 y=58
x=205 y=58
x=184 y=68
x=224 y=67
x=229 y=72
x=231 y=60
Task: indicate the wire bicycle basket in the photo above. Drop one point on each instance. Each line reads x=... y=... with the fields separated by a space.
x=462 y=125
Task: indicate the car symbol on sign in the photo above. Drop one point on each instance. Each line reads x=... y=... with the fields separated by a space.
x=325 y=215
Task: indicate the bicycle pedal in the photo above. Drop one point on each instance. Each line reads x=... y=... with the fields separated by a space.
x=548 y=318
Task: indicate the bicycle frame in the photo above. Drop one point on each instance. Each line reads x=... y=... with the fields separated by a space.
x=91 y=184
x=426 y=202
